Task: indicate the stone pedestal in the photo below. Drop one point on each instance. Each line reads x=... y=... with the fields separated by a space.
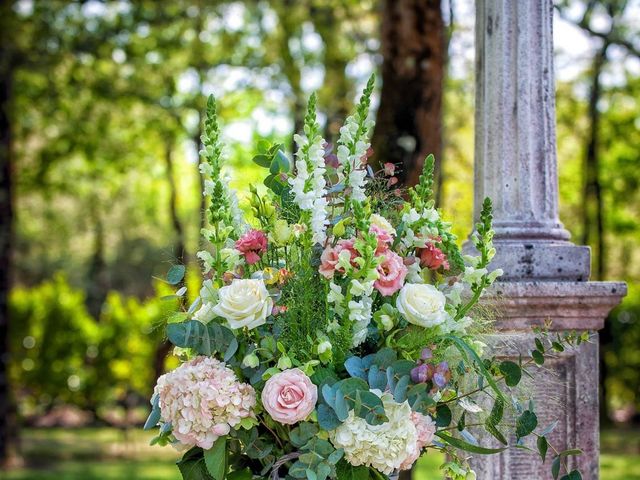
x=546 y=276
x=565 y=388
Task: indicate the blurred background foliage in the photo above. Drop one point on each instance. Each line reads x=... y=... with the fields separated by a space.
x=101 y=115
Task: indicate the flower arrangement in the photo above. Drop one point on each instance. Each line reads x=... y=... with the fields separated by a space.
x=335 y=335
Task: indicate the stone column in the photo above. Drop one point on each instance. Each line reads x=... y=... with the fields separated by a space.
x=546 y=276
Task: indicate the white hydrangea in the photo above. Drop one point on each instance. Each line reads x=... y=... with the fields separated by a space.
x=309 y=185
x=384 y=447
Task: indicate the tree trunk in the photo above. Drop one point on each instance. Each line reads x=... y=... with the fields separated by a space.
x=98 y=274
x=8 y=420
x=593 y=208
x=409 y=120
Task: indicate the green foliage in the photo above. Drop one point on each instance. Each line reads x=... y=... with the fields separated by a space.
x=96 y=362
x=422 y=194
x=203 y=339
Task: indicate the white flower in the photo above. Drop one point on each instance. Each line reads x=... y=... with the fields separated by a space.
x=422 y=304
x=382 y=223
x=414 y=273
x=309 y=185
x=207 y=260
x=384 y=447
x=358 y=288
x=205 y=313
x=231 y=257
x=244 y=303
x=451 y=325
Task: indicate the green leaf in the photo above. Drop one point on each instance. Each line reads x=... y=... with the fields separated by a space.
x=557 y=346
x=493 y=430
x=443 y=416
x=462 y=445
x=204 y=339
x=571 y=452
x=467 y=351
x=154 y=416
x=216 y=459
x=537 y=357
x=240 y=475
x=512 y=373
x=526 y=423
x=262 y=160
x=192 y=466
x=573 y=475
x=346 y=471
x=555 y=467
x=496 y=412
x=539 y=345
x=543 y=446
x=176 y=274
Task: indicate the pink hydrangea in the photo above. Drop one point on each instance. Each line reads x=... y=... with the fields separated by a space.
x=202 y=400
x=432 y=257
x=426 y=429
x=331 y=255
x=289 y=396
x=392 y=273
x=252 y=244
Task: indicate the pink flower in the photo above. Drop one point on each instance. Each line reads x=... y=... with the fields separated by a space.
x=331 y=255
x=389 y=169
x=384 y=238
x=432 y=257
x=252 y=244
x=391 y=274
x=426 y=429
x=289 y=396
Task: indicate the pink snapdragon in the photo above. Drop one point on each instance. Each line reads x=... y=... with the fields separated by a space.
x=289 y=396
x=392 y=272
x=331 y=255
x=252 y=244
x=432 y=257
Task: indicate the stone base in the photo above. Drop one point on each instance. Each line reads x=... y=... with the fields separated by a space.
x=566 y=387
x=540 y=260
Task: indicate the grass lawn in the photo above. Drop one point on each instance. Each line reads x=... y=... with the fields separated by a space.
x=110 y=454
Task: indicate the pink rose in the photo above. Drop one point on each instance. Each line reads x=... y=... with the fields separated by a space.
x=252 y=244
x=432 y=257
x=330 y=256
x=391 y=274
x=289 y=396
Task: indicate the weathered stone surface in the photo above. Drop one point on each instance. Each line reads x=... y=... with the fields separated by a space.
x=569 y=305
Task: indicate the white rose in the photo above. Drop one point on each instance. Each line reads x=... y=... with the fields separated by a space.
x=244 y=303
x=422 y=304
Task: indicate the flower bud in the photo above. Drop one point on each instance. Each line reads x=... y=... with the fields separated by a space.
x=284 y=362
x=251 y=360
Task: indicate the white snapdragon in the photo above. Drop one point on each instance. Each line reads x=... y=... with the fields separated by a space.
x=360 y=315
x=336 y=297
x=309 y=185
x=357 y=173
